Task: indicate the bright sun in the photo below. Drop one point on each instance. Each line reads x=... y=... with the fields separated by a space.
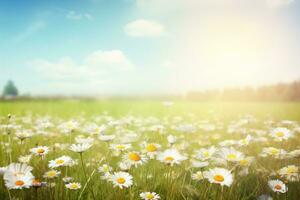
x=227 y=52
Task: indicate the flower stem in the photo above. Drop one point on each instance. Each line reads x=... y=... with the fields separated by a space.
x=85 y=185
x=9 y=195
x=85 y=176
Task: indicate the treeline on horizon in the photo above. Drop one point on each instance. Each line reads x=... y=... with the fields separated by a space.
x=277 y=92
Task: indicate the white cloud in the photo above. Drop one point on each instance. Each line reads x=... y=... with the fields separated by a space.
x=112 y=59
x=144 y=28
x=72 y=15
x=63 y=69
x=279 y=3
x=100 y=72
x=30 y=30
x=96 y=66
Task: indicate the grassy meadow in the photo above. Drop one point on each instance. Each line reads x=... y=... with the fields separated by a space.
x=135 y=149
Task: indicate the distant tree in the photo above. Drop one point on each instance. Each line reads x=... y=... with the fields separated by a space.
x=10 y=89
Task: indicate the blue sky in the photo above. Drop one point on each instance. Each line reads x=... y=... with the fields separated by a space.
x=147 y=46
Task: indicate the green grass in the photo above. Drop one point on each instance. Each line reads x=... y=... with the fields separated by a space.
x=170 y=183
x=67 y=108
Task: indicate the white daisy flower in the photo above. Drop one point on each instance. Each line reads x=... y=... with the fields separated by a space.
x=106 y=138
x=245 y=162
x=231 y=155
x=18 y=182
x=135 y=158
x=18 y=176
x=121 y=179
x=281 y=133
x=294 y=153
x=151 y=149
x=245 y=141
x=125 y=166
x=274 y=152
x=149 y=196
x=277 y=186
x=67 y=179
x=61 y=161
x=105 y=168
x=51 y=174
x=24 y=134
x=198 y=176
x=81 y=147
x=69 y=126
x=171 y=139
x=220 y=176
x=37 y=183
x=171 y=157
x=94 y=129
x=120 y=147
x=205 y=153
x=25 y=159
x=291 y=172
x=73 y=186
x=40 y=150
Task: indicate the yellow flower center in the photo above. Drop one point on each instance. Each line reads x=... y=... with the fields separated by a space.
x=51 y=173
x=277 y=187
x=279 y=134
x=219 y=178
x=291 y=170
x=169 y=158
x=206 y=154
x=36 y=182
x=121 y=180
x=134 y=156
x=106 y=169
x=244 y=162
x=74 y=186
x=274 y=151
x=19 y=183
x=231 y=156
x=151 y=148
x=150 y=196
x=121 y=147
x=59 y=161
x=40 y=150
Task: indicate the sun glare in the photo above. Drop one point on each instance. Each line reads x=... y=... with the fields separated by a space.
x=230 y=51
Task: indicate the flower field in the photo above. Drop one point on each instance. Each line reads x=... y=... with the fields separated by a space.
x=149 y=150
